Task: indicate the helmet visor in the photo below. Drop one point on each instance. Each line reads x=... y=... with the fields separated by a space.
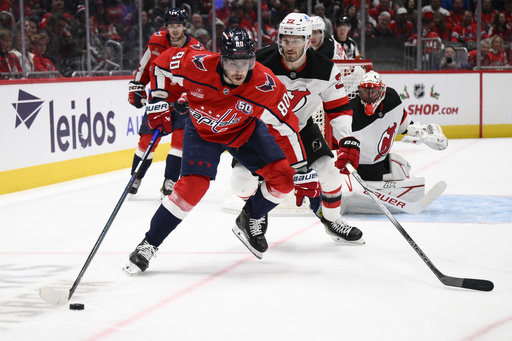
x=238 y=65
x=290 y=41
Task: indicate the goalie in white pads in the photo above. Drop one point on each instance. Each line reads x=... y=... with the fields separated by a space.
x=378 y=117
x=311 y=80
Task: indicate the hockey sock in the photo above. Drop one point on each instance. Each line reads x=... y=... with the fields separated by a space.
x=257 y=206
x=162 y=224
x=172 y=167
x=143 y=168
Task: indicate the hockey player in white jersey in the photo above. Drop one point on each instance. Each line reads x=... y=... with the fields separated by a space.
x=327 y=46
x=311 y=80
x=378 y=117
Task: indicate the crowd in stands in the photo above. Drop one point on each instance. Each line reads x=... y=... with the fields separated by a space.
x=55 y=30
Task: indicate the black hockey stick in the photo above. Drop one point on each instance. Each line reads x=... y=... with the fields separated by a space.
x=468 y=283
x=55 y=297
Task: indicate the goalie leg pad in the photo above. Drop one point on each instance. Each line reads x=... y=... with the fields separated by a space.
x=399 y=168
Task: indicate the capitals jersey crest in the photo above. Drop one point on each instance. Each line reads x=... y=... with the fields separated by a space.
x=269 y=85
x=198 y=61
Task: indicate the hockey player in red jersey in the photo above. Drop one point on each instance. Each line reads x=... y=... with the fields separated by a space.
x=176 y=23
x=238 y=105
x=378 y=117
x=312 y=80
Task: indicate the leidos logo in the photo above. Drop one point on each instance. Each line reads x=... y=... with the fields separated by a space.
x=27 y=107
x=71 y=130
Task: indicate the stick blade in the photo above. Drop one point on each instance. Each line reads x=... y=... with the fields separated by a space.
x=53 y=296
x=468 y=283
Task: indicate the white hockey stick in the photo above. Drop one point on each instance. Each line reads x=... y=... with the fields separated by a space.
x=468 y=283
x=412 y=207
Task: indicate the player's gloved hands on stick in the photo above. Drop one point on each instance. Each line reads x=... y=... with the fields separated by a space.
x=159 y=116
x=348 y=152
x=137 y=94
x=430 y=134
x=181 y=105
x=306 y=185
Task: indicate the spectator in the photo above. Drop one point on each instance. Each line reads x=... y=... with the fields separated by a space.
x=249 y=12
x=320 y=11
x=341 y=36
x=383 y=6
x=196 y=22
x=117 y=11
x=401 y=27
x=457 y=13
x=219 y=29
x=507 y=9
x=268 y=32
x=8 y=60
x=38 y=43
x=233 y=22
x=488 y=15
x=497 y=56
x=500 y=27
x=56 y=7
x=381 y=30
x=448 y=61
x=368 y=29
x=435 y=6
x=28 y=63
x=203 y=36
x=434 y=42
x=485 y=48
x=441 y=27
x=352 y=15
x=238 y=11
x=466 y=31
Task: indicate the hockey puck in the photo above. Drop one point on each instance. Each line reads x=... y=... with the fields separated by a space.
x=77 y=306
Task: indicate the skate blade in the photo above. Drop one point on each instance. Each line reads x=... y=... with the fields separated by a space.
x=348 y=242
x=131 y=269
x=240 y=235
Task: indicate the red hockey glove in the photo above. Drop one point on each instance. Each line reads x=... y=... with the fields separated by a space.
x=137 y=94
x=181 y=105
x=348 y=152
x=306 y=185
x=159 y=116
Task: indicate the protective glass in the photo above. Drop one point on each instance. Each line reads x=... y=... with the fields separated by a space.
x=292 y=42
x=238 y=65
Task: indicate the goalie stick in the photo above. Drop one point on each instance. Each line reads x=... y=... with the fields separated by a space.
x=412 y=207
x=56 y=297
x=468 y=283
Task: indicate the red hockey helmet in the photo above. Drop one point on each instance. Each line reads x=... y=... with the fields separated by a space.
x=372 y=91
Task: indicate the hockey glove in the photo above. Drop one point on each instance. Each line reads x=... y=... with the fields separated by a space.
x=181 y=105
x=430 y=134
x=348 y=152
x=159 y=116
x=306 y=185
x=137 y=94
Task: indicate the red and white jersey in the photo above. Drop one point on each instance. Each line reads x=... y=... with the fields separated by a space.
x=317 y=83
x=332 y=49
x=157 y=44
x=377 y=132
x=225 y=114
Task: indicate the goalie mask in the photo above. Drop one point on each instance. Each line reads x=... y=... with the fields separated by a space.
x=295 y=24
x=372 y=91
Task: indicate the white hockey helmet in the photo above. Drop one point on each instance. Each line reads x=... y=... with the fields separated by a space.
x=295 y=24
x=372 y=91
x=317 y=23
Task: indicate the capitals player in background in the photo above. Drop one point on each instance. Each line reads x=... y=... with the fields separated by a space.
x=327 y=46
x=311 y=80
x=238 y=105
x=176 y=23
x=378 y=117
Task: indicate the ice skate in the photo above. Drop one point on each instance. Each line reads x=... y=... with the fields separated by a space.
x=251 y=232
x=167 y=188
x=135 y=187
x=139 y=259
x=341 y=231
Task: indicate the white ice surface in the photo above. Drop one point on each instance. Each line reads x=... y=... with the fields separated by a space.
x=205 y=285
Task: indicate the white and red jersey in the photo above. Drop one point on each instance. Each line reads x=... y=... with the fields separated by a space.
x=225 y=114
x=157 y=44
x=317 y=83
x=332 y=49
x=377 y=132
